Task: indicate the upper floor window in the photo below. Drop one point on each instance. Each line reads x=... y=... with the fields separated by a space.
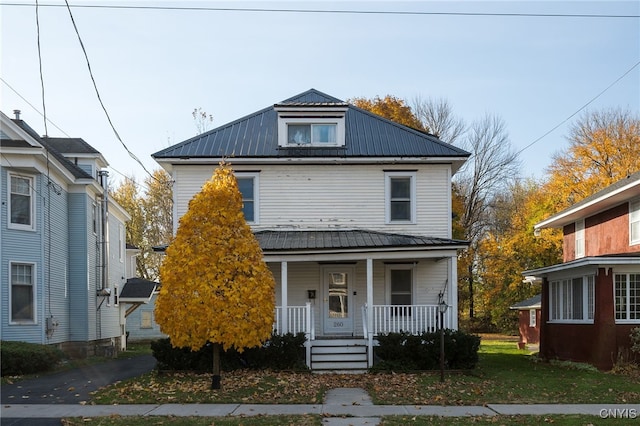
x=300 y=126
x=572 y=299
x=634 y=222
x=627 y=297
x=21 y=202
x=314 y=134
x=248 y=186
x=400 y=194
x=22 y=292
x=579 y=238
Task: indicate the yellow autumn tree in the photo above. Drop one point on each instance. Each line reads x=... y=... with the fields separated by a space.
x=216 y=286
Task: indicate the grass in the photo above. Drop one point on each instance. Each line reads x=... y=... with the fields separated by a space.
x=505 y=374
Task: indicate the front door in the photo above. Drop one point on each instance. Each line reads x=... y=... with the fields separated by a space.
x=338 y=300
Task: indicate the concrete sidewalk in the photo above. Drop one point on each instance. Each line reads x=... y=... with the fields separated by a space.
x=221 y=410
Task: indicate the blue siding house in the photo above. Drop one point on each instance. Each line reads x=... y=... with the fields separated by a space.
x=62 y=244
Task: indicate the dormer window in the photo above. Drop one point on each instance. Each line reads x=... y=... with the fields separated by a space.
x=311 y=126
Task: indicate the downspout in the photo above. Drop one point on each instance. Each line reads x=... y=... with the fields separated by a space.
x=104 y=289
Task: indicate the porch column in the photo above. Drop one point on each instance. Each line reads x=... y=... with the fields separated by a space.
x=283 y=290
x=369 y=318
x=453 y=292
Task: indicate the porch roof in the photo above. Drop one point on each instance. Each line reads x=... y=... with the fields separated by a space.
x=610 y=260
x=296 y=240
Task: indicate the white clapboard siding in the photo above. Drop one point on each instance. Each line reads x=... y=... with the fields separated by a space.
x=330 y=196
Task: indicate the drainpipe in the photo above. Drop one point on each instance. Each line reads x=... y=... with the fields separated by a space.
x=104 y=289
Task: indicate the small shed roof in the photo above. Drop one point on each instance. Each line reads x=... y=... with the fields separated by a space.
x=534 y=302
x=137 y=290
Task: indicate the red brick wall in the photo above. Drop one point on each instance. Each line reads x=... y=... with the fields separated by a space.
x=605 y=233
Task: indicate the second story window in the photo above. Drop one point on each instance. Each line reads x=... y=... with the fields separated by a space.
x=579 y=238
x=313 y=134
x=400 y=197
x=248 y=186
x=21 y=202
x=634 y=222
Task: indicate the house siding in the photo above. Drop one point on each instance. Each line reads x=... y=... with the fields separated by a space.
x=81 y=268
x=134 y=323
x=605 y=233
x=303 y=197
x=22 y=246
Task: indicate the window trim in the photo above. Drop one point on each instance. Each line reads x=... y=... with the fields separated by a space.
x=625 y=320
x=388 y=176
x=580 y=243
x=121 y=242
x=532 y=317
x=388 y=285
x=634 y=218
x=32 y=205
x=588 y=296
x=256 y=193
x=34 y=297
x=310 y=119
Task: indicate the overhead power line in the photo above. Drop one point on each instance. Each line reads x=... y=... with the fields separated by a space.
x=580 y=109
x=95 y=86
x=334 y=11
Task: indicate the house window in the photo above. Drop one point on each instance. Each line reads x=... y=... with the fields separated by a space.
x=311 y=127
x=572 y=299
x=401 y=289
x=121 y=243
x=400 y=197
x=248 y=184
x=22 y=292
x=634 y=222
x=145 y=319
x=627 y=297
x=532 y=317
x=94 y=218
x=580 y=238
x=21 y=204
x=314 y=134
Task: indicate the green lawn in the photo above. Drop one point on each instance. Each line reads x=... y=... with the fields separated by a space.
x=505 y=374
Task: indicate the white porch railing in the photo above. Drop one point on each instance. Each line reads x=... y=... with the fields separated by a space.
x=299 y=319
x=414 y=319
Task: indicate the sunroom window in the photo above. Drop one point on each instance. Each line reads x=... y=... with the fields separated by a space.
x=572 y=299
x=634 y=222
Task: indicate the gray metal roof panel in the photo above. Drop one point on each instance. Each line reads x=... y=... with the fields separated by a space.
x=343 y=239
x=366 y=135
x=532 y=302
x=137 y=288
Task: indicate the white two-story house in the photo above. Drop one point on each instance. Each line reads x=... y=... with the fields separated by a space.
x=62 y=244
x=353 y=214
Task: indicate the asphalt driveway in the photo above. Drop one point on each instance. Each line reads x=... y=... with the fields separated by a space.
x=75 y=385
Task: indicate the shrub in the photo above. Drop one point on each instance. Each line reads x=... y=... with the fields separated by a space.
x=406 y=352
x=278 y=353
x=635 y=340
x=18 y=358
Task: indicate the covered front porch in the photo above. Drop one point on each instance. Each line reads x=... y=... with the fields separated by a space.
x=344 y=288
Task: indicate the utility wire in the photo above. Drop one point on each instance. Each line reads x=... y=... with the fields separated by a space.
x=338 y=11
x=44 y=107
x=580 y=109
x=95 y=86
x=32 y=106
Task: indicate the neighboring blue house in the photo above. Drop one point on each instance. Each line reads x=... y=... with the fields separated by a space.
x=62 y=244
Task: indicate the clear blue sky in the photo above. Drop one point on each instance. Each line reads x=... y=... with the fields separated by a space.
x=153 y=67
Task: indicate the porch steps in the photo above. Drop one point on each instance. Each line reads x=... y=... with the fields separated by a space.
x=339 y=355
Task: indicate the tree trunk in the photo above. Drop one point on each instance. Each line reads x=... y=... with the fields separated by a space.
x=470 y=279
x=215 y=380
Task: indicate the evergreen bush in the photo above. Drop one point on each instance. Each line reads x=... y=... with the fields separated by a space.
x=19 y=358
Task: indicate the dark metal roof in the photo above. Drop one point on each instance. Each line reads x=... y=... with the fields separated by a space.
x=137 y=288
x=345 y=239
x=366 y=135
x=75 y=170
x=532 y=302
